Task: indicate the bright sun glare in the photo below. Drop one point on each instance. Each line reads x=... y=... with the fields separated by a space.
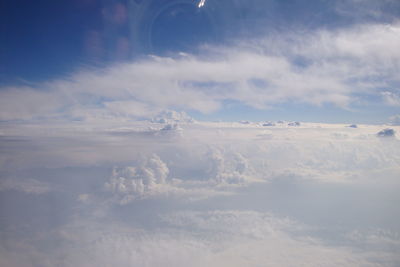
x=201 y=3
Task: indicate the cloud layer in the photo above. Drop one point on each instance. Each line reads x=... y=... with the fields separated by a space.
x=343 y=67
x=215 y=194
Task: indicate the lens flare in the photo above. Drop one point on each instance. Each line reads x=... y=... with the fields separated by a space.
x=201 y=3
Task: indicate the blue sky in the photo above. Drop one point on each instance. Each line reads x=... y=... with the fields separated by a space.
x=47 y=42
x=45 y=39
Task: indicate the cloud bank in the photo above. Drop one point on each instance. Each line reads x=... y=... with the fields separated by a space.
x=343 y=67
x=216 y=194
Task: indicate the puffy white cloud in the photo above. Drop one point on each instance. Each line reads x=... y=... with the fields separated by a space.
x=150 y=178
x=171 y=116
x=230 y=168
x=218 y=158
x=136 y=182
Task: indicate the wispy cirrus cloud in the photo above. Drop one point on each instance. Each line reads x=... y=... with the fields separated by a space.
x=337 y=67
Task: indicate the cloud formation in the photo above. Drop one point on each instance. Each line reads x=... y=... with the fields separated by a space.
x=213 y=238
x=104 y=166
x=30 y=186
x=139 y=193
x=386 y=133
x=340 y=67
x=137 y=182
x=395 y=120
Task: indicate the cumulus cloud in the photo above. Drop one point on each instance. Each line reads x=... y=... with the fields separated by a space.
x=215 y=158
x=206 y=198
x=231 y=168
x=150 y=178
x=171 y=116
x=136 y=182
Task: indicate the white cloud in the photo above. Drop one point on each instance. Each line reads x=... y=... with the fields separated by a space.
x=218 y=158
x=30 y=186
x=164 y=202
x=213 y=238
x=362 y=10
x=150 y=178
x=386 y=133
x=336 y=67
x=171 y=116
x=230 y=168
x=391 y=98
x=230 y=153
x=395 y=120
x=25 y=103
x=136 y=182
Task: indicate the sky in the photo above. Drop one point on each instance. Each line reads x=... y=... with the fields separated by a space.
x=199 y=133
x=316 y=61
